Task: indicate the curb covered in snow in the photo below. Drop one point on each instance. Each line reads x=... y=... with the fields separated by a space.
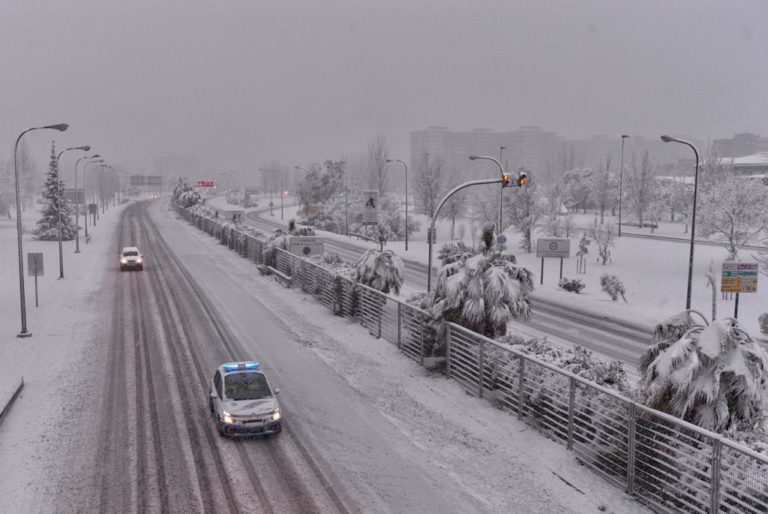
x=7 y=404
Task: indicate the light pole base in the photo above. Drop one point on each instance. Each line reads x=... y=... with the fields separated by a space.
x=24 y=334
x=77 y=251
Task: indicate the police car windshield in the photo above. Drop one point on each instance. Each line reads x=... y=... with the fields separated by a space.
x=131 y=253
x=246 y=386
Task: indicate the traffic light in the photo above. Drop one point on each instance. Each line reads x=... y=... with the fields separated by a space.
x=505 y=180
x=522 y=179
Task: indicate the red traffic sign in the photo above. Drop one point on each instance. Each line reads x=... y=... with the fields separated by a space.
x=205 y=183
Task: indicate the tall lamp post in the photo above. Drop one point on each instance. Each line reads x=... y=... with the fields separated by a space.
x=77 y=204
x=61 y=127
x=406 y=198
x=621 y=178
x=85 y=192
x=58 y=190
x=669 y=139
x=501 y=172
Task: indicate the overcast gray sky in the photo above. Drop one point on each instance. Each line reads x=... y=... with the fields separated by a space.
x=241 y=83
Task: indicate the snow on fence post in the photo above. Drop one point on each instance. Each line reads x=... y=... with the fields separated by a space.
x=447 y=350
x=631 y=443
x=714 y=486
x=571 y=402
x=480 y=369
x=399 y=325
x=520 y=386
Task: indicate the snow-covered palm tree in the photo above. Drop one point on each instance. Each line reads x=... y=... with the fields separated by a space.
x=483 y=291
x=714 y=376
x=381 y=270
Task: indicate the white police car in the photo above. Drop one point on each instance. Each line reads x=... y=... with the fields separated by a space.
x=242 y=402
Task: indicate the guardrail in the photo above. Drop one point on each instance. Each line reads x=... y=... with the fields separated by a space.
x=663 y=461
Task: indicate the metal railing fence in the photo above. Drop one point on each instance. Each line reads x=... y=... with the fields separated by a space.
x=665 y=462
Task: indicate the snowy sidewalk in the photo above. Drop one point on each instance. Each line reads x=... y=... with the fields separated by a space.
x=53 y=361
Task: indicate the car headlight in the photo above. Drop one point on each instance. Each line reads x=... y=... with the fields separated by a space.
x=138 y=260
x=227 y=418
x=276 y=415
x=123 y=261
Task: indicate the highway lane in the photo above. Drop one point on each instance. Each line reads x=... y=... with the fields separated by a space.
x=158 y=450
x=609 y=337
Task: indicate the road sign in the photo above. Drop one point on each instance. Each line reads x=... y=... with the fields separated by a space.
x=501 y=239
x=205 y=183
x=154 y=180
x=371 y=208
x=546 y=247
x=306 y=246
x=35 y=264
x=739 y=277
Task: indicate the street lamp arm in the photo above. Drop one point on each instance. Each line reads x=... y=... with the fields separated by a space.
x=487 y=158
x=480 y=182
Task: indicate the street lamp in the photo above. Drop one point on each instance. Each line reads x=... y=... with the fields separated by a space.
x=85 y=193
x=406 y=198
x=61 y=127
x=77 y=203
x=501 y=171
x=85 y=148
x=668 y=139
x=621 y=178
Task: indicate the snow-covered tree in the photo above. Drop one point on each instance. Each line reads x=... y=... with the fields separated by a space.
x=733 y=209
x=185 y=195
x=579 y=184
x=456 y=205
x=482 y=291
x=604 y=188
x=604 y=236
x=714 y=376
x=29 y=175
x=378 y=171
x=429 y=184
x=523 y=211
x=57 y=211
x=380 y=270
x=6 y=189
x=323 y=183
x=641 y=187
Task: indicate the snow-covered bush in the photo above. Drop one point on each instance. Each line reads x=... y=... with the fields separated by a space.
x=763 y=320
x=577 y=360
x=452 y=252
x=713 y=376
x=381 y=270
x=333 y=262
x=574 y=285
x=613 y=287
x=483 y=291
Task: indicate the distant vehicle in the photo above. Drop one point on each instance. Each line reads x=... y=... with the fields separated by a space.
x=242 y=402
x=130 y=258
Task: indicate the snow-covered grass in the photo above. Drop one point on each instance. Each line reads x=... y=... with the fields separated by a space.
x=654 y=273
